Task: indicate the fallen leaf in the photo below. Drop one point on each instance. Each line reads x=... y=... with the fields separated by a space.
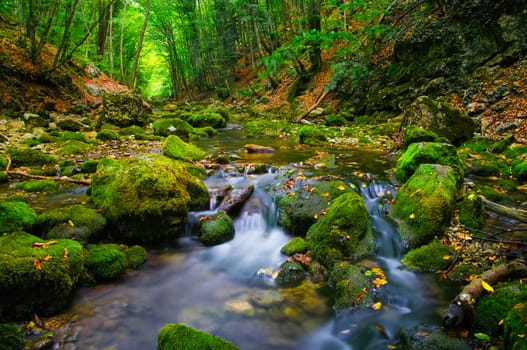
x=47 y=257
x=377 y=306
x=36 y=264
x=446 y=257
x=487 y=286
x=325 y=195
x=518 y=306
x=502 y=321
x=412 y=216
x=341 y=187
x=482 y=336
x=471 y=196
x=379 y=282
x=70 y=223
x=66 y=253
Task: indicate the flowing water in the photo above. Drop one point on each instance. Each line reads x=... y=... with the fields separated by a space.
x=228 y=290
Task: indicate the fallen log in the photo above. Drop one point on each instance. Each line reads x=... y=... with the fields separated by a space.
x=515 y=213
x=235 y=199
x=460 y=313
x=313 y=106
x=43 y=177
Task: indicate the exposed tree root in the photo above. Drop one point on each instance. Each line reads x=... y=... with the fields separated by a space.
x=515 y=213
x=234 y=200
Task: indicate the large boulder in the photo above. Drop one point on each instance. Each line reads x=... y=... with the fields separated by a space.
x=37 y=276
x=343 y=233
x=176 y=148
x=440 y=117
x=15 y=215
x=182 y=337
x=425 y=203
x=124 y=109
x=147 y=199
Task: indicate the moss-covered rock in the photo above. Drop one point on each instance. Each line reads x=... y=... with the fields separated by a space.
x=352 y=286
x=172 y=126
x=515 y=328
x=11 y=337
x=430 y=257
x=290 y=274
x=70 y=125
x=492 y=308
x=501 y=145
x=519 y=169
x=124 y=109
x=344 y=232
x=107 y=135
x=28 y=156
x=427 y=153
x=294 y=246
x=147 y=199
x=135 y=256
x=105 y=262
x=15 y=215
x=37 y=276
x=216 y=229
x=175 y=148
x=471 y=213
x=335 y=120
x=73 y=147
x=182 y=337
x=311 y=135
x=441 y=340
x=37 y=186
x=416 y=134
x=76 y=222
x=199 y=120
x=89 y=166
x=299 y=208
x=425 y=203
x=71 y=136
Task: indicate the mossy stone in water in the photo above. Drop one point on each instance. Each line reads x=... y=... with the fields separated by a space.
x=216 y=229
x=427 y=153
x=28 y=156
x=11 y=337
x=105 y=261
x=89 y=166
x=515 y=328
x=73 y=147
x=416 y=134
x=135 y=256
x=175 y=148
x=37 y=186
x=294 y=246
x=429 y=258
x=182 y=337
x=147 y=199
x=352 y=286
x=107 y=135
x=37 y=276
x=15 y=215
x=343 y=232
x=172 y=126
x=291 y=274
x=425 y=203
x=199 y=120
x=519 y=169
x=471 y=213
x=311 y=135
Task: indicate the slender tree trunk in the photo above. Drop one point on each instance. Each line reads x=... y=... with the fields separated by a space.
x=65 y=41
x=140 y=45
x=121 y=43
x=102 y=32
x=110 y=54
x=313 y=10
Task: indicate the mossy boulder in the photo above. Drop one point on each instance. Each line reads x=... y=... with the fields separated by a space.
x=352 y=286
x=70 y=124
x=73 y=147
x=11 y=337
x=37 y=186
x=216 y=229
x=172 y=126
x=299 y=207
x=492 y=308
x=290 y=274
x=427 y=153
x=414 y=134
x=124 y=109
x=442 y=118
x=105 y=262
x=515 y=328
x=89 y=166
x=519 y=169
x=471 y=213
x=37 y=276
x=107 y=135
x=175 y=148
x=135 y=256
x=425 y=203
x=147 y=199
x=294 y=246
x=430 y=257
x=344 y=232
x=29 y=156
x=182 y=337
x=311 y=135
x=213 y=119
x=76 y=222
x=15 y=215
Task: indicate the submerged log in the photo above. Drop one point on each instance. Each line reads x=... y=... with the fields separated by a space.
x=235 y=199
x=460 y=313
x=515 y=213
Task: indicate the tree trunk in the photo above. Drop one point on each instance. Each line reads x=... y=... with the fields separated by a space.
x=515 y=213
x=140 y=45
x=121 y=44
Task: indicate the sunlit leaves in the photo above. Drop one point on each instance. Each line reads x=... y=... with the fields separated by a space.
x=487 y=286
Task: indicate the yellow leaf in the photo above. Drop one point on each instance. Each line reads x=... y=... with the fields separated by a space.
x=379 y=282
x=471 y=196
x=70 y=223
x=412 y=216
x=518 y=306
x=36 y=264
x=325 y=195
x=66 y=253
x=315 y=216
x=341 y=187
x=501 y=322
x=377 y=306
x=487 y=286
x=446 y=257
x=521 y=336
x=47 y=257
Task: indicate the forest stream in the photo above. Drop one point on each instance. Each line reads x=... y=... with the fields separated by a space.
x=228 y=290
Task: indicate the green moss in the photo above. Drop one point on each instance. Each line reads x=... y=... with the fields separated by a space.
x=47 y=138
x=515 y=328
x=135 y=256
x=311 y=135
x=76 y=222
x=216 y=229
x=89 y=166
x=440 y=340
x=37 y=186
x=147 y=199
x=429 y=257
x=477 y=144
x=199 y=120
x=487 y=164
x=73 y=147
x=31 y=142
x=298 y=209
x=519 y=169
x=182 y=337
x=37 y=276
x=516 y=151
x=427 y=153
x=107 y=135
x=268 y=128
x=11 y=337
x=172 y=126
x=105 y=262
x=425 y=203
x=335 y=120
x=294 y=246
x=416 y=134
x=464 y=269
x=352 y=287
x=15 y=215
x=28 y=156
x=491 y=193
x=291 y=274
x=343 y=232
x=494 y=307
x=501 y=145
x=471 y=212
x=72 y=136
x=175 y=148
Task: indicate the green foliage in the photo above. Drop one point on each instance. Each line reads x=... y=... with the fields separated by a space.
x=429 y=257
x=181 y=337
x=105 y=261
x=11 y=337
